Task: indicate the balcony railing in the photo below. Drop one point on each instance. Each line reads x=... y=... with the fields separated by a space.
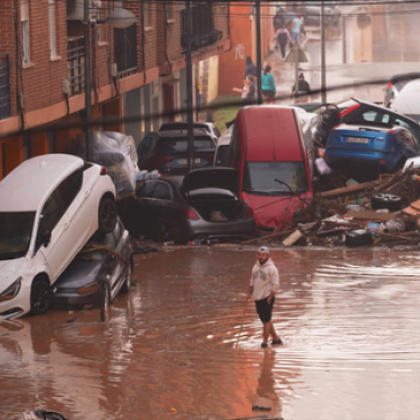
x=75 y=65
x=203 y=32
x=4 y=88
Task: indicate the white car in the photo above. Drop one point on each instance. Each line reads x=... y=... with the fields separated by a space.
x=50 y=206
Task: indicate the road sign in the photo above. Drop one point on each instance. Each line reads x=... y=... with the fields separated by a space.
x=296 y=55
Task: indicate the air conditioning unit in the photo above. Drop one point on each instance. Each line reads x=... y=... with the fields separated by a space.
x=75 y=8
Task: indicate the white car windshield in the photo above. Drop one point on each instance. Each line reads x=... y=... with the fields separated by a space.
x=15 y=234
x=275 y=178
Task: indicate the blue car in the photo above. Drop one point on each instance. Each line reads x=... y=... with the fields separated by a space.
x=378 y=146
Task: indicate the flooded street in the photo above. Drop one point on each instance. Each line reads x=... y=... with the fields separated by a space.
x=171 y=348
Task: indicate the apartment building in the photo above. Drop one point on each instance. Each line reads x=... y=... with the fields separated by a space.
x=137 y=74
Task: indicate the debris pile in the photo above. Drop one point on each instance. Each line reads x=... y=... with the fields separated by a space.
x=384 y=211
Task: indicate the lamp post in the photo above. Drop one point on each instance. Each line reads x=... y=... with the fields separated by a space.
x=119 y=18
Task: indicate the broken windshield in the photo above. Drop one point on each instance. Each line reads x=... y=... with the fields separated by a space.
x=260 y=178
x=15 y=234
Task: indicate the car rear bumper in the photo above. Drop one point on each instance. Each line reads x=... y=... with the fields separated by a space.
x=382 y=160
x=74 y=299
x=203 y=229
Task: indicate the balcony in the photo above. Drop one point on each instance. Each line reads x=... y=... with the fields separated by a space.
x=4 y=87
x=75 y=65
x=203 y=32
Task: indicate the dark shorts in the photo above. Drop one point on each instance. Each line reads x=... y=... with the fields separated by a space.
x=264 y=309
x=268 y=92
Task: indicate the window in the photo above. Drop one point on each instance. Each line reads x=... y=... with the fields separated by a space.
x=146 y=190
x=169 y=10
x=275 y=178
x=162 y=191
x=146 y=12
x=53 y=29
x=24 y=22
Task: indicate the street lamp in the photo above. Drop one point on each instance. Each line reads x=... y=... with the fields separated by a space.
x=119 y=18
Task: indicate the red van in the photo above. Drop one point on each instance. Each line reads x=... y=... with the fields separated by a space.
x=269 y=153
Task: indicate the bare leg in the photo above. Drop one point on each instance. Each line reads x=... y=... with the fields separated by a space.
x=273 y=332
x=266 y=331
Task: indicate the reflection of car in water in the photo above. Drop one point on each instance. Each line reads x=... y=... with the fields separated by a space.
x=50 y=206
x=204 y=204
x=98 y=273
x=39 y=415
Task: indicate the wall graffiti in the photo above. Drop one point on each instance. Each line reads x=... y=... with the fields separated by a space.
x=239 y=52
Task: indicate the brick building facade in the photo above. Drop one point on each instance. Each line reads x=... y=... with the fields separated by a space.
x=136 y=72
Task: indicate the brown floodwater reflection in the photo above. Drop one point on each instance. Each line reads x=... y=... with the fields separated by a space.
x=170 y=349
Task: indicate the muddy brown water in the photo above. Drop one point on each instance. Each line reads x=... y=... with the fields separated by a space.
x=349 y=319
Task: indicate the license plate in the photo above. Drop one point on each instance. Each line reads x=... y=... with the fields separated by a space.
x=358 y=140
x=185 y=161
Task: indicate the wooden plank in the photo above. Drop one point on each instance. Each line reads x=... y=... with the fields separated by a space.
x=348 y=190
x=371 y=216
x=415 y=205
x=294 y=237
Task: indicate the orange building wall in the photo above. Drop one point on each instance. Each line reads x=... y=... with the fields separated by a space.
x=232 y=62
x=243 y=40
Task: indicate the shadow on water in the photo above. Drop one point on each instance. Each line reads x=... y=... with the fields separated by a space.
x=349 y=321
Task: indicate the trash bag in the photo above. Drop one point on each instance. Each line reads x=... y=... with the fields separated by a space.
x=117 y=153
x=328 y=118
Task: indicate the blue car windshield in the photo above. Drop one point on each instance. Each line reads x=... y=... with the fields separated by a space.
x=275 y=178
x=15 y=234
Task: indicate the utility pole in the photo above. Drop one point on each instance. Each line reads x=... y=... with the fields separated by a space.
x=88 y=97
x=189 y=86
x=323 y=76
x=258 y=42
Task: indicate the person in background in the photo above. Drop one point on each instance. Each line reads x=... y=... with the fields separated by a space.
x=248 y=91
x=297 y=28
x=282 y=36
x=250 y=67
x=303 y=90
x=268 y=86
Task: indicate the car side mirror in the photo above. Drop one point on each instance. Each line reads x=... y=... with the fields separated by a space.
x=46 y=238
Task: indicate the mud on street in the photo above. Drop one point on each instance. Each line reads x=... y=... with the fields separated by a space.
x=349 y=320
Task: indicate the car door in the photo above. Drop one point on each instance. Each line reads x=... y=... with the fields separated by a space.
x=63 y=222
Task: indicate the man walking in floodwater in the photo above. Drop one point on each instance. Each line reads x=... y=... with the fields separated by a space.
x=263 y=287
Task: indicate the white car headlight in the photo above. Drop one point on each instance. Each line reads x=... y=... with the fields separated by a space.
x=11 y=291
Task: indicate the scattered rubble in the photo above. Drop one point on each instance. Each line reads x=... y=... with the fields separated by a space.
x=382 y=212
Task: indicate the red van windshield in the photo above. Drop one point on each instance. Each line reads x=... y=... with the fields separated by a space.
x=275 y=178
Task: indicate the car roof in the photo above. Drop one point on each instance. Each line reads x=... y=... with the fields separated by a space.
x=181 y=125
x=272 y=133
x=184 y=133
x=27 y=185
x=404 y=76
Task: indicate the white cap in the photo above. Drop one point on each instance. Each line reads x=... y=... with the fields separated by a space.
x=264 y=249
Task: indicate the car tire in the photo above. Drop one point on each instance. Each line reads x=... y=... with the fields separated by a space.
x=162 y=232
x=107 y=215
x=126 y=287
x=40 y=299
x=388 y=201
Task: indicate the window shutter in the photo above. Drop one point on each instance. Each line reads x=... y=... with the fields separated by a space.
x=53 y=30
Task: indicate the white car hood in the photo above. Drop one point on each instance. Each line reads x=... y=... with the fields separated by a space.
x=10 y=270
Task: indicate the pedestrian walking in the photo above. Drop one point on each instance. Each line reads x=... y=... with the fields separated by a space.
x=303 y=90
x=248 y=91
x=268 y=86
x=250 y=67
x=297 y=29
x=282 y=36
x=263 y=286
x=278 y=20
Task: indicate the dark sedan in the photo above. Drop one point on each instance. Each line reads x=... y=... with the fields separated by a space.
x=98 y=273
x=202 y=205
x=167 y=151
